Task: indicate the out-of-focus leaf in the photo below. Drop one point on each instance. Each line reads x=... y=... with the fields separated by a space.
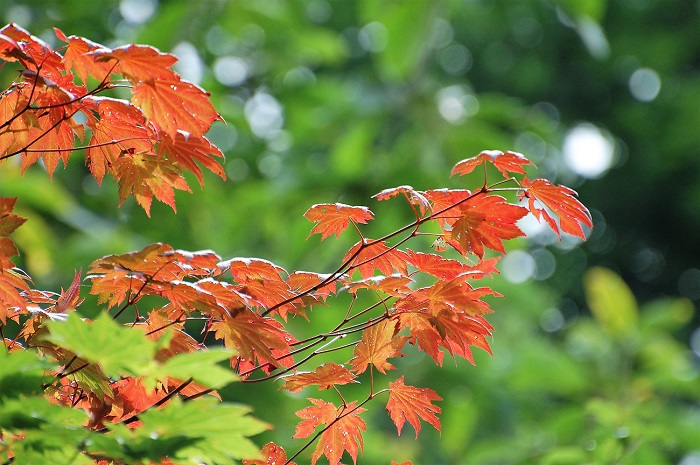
x=201 y=365
x=117 y=349
x=191 y=433
x=21 y=373
x=611 y=301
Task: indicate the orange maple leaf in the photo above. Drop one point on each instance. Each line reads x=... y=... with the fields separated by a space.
x=394 y=285
x=146 y=176
x=413 y=196
x=334 y=218
x=412 y=403
x=445 y=201
x=80 y=57
x=120 y=129
x=372 y=255
x=543 y=197
x=343 y=430
x=138 y=63
x=253 y=337
x=325 y=377
x=185 y=149
x=175 y=105
x=508 y=162
x=378 y=344
x=272 y=455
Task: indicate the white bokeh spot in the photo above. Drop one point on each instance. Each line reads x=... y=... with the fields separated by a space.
x=587 y=151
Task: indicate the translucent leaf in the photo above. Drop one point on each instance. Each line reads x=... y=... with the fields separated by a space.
x=611 y=301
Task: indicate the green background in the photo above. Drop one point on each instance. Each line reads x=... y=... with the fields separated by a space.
x=596 y=358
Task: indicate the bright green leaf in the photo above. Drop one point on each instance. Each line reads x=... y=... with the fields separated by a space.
x=201 y=431
x=201 y=365
x=119 y=350
x=21 y=373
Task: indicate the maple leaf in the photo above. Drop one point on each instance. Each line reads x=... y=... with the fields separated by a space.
x=444 y=201
x=156 y=269
x=303 y=281
x=175 y=105
x=372 y=255
x=334 y=218
x=12 y=287
x=484 y=221
x=394 y=285
x=147 y=176
x=16 y=131
x=12 y=281
x=120 y=129
x=132 y=397
x=448 y=315
x=245 y=270
x=446 y=330
x=262 y=280
x=253 y=337
x=343 y=429
x=379 y=343
x=81 y=57
x=9 y=221
x=436 y=265
x=139 y=63
x=508 y=162
x=185 y=149
x=408 y=403
x=561 y=201
x=454 y=293
x=70 y=298
x=413 y=196
x=272 y=455
x=325 y=377
x=53 y=139
x=32 y=52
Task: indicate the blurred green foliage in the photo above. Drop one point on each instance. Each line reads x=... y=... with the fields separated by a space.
x=334 y=100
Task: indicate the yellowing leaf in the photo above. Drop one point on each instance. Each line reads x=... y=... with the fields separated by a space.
x=611 y=301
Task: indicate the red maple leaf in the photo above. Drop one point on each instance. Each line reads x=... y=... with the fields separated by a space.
x=343 y=430
x=368 y=256
x=508 y=162
x=408 y=403
x=325 y=377
x=484 y=221
x=448 y=315
x=445 y=202
x=334 y=218
x=544 y=197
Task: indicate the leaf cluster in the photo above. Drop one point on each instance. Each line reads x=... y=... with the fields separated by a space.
x=136 y=384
